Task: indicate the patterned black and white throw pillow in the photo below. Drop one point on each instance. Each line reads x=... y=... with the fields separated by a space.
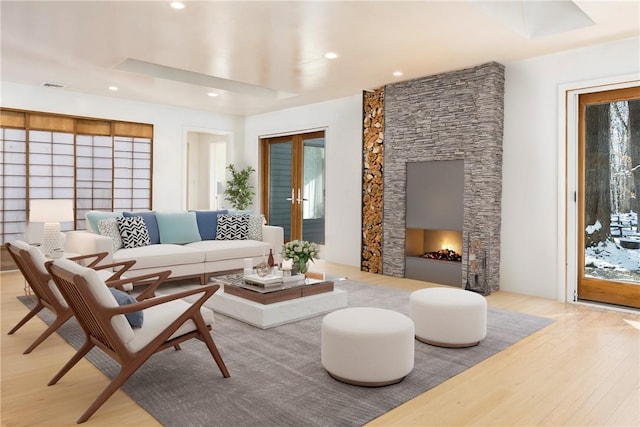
x=133 y=231
x=232 y=227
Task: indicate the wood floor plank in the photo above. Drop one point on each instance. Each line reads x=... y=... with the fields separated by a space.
x=582 y=370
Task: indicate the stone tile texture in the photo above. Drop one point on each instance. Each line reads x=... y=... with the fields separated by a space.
x=450 y=116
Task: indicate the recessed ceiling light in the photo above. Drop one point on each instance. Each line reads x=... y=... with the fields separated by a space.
x=212 y=94
x=113 y=88
x=177 y=5
x=397 y=73
x=331 y=55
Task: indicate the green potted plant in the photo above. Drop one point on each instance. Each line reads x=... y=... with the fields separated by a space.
x=239 y=192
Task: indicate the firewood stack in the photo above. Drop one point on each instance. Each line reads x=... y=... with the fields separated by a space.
x=372 y=185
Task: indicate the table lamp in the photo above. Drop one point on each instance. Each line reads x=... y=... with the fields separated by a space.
x=52 y=213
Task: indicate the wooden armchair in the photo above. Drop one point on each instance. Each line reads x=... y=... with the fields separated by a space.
x=30 y=262
x=168 y=321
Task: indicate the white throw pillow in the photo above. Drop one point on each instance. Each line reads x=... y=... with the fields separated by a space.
x=109 y=227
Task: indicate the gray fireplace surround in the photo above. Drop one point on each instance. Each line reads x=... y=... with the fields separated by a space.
x=451 y=116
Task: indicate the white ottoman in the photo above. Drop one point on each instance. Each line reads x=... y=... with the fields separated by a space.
x=367 y=346
x=448 y=317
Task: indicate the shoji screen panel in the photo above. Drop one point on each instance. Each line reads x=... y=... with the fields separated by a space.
x=51 y=174
x=99 y=163
x=13 y=183
x=132 y=173
x=94 y=175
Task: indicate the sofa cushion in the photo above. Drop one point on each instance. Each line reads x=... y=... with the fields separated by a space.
x=232 y=227
x=109 y=227
x=133 y=232
x=151 y=223
x=208 y=223
x=93 y=217
x=161 y=255
x=219 y=250
x=178 y=227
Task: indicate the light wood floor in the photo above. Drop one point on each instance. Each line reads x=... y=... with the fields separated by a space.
x=582 y=370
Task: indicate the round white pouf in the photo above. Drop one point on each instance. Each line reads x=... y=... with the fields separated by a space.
x=448 y=317
x=367 y=346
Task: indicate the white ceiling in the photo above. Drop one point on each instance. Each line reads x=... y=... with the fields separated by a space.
x=265 y=55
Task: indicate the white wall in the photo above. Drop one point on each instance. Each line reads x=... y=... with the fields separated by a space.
x=342 y=119
x=169 y=123
x=530 y=229
x=531 y=177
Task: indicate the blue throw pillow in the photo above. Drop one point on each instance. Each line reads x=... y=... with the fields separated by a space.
x=150 y=221
x=135 y=318
x=178 y=227
x=208 y=223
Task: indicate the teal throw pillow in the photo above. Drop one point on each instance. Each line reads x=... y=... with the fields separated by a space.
x=135 y=318
x=178 y=227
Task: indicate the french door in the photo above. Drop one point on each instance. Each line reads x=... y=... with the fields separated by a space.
x=293 y=184
x=609 y=197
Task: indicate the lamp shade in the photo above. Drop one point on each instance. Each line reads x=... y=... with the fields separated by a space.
x=42 y=210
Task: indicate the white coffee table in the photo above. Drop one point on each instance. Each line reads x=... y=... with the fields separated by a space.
x=278 y=313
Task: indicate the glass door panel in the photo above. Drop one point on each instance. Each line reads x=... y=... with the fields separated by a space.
x=281 y=197
x=313 y=190
x=294 y=192
x=609 y=197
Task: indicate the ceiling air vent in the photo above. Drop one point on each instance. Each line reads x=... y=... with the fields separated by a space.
x=53 y=85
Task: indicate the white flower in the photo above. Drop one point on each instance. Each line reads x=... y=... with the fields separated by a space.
x=300 y=250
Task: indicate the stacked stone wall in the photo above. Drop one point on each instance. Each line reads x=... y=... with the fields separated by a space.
x=450 y=116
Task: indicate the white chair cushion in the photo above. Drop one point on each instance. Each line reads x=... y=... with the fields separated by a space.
x=102 y=294
x=56 y=293
x=157 y=318
x=38 y=258
x=21 y=244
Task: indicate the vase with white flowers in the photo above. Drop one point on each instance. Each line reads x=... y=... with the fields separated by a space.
x=300 y=252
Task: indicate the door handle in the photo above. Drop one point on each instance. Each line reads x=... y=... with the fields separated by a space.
x=291 y=198
x=300 y=200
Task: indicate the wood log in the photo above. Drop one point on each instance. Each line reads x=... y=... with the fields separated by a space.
x=372 y=180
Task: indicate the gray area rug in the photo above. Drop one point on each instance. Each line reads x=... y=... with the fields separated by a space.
x=276 y=375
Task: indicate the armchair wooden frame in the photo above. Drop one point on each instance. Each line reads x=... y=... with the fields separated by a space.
x=95 y=320
x=38 y=281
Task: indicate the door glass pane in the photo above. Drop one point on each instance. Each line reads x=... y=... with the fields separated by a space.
x=313 y=191
x=280 y=198
x=612 y=191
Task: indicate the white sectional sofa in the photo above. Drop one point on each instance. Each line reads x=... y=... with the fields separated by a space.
x=187 y=248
